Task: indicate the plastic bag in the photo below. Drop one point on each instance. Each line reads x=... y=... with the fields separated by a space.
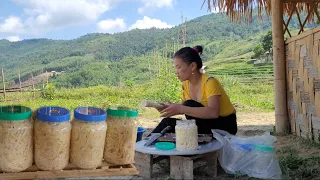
x=254 y=156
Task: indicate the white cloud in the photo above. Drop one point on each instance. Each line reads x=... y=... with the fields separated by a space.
x=150 y=5
x=111 y=26
x=11 y=25
x=147 y=23
x=55 y=14
x=13 y=38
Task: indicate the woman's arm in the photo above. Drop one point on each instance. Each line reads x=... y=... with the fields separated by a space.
x=209 y=112
x=212 y=111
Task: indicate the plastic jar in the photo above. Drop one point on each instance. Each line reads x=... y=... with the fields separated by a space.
x=16 y=138
x=121 y=135
x=52 y=138
x=186 y=135
x=263 y=163
x=88 y=135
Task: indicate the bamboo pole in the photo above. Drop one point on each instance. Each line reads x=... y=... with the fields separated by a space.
x=165 y=56
x=158 y=60
x=19 y=76
x=153 y=60
x=33 y=85
x=149 y=66
x=47 y=77
x=281 y=113
x=4 y=85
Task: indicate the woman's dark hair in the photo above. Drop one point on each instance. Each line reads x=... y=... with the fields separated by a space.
x=190 y=55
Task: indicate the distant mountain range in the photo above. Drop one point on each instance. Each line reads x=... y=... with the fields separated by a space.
x=112 y=53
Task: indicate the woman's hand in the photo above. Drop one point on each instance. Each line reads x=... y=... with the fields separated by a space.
x=172 y=110
x=164 y=106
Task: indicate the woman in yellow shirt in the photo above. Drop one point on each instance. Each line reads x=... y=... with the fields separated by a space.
x=203 y=97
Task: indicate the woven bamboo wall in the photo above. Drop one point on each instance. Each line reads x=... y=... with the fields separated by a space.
x=303 y=83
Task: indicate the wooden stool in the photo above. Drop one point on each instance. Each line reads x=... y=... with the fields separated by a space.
x=181 y=167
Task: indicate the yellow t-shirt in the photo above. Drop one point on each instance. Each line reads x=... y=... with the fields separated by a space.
x=210 y=87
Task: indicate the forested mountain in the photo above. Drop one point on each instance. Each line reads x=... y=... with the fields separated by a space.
x=111 y=58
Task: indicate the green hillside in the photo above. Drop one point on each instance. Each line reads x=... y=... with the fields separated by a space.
x=215 y=32
x=140 y=62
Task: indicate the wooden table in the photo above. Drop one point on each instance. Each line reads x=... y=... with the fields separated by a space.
x=181 y=165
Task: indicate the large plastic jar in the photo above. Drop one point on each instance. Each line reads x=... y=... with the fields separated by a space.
x=88 y=135
x=186 y=135
x=16 y=138
x=263 y=163
x=52 y=138
x=121 y=135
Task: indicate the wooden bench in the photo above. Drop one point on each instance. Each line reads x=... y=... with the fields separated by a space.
x=181 y=167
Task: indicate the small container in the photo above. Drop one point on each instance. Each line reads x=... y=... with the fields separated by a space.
x=121 y=135
x=186 y=135
x=165 y=145
x=88 y=135
x=141 y=130
x=16 y=138
x=52 y=138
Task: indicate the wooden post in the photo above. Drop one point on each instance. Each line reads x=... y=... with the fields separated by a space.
x=153 y=59
x=281 y=113
x=144 y=163
x=19 y=80
x=47 y=77
x=149 y=66
x=4 y=85
x=158 y=59
x=33 y=85
x=166 y=59
x=181 y=167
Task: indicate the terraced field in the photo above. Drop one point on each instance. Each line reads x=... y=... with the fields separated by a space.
x=244 y=73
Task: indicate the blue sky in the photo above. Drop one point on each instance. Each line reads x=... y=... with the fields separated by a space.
x=69 y=19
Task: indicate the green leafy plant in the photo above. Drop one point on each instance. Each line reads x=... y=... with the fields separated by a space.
x=48 y=92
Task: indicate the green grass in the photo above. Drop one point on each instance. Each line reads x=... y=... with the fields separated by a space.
x=298 y=167
x=246 y=98
x=249 y=97
x=249 y=87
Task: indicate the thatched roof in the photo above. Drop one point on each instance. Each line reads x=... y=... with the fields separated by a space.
x=237 y=9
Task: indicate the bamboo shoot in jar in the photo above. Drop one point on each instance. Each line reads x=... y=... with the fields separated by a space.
x=121 y=135
x=88 y=135
x=52 y=138
x=186 y=135
x=16 y=138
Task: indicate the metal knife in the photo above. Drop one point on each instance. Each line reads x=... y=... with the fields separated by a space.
x=154 y=137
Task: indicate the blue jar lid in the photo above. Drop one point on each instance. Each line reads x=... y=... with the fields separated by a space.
x=53 y=114
x=90 y=114
x=141 y=130
x=247 y=147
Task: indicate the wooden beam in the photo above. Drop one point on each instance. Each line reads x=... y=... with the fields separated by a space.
x=293 y=8
x=279 y=66
x=128 y=170
x=305 y=21
x=286 y=28
x=303 y=35
x=298 y=15
x=316 y=11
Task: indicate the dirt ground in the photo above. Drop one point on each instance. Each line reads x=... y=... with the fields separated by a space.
x=247 y=123
x=295 y=154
